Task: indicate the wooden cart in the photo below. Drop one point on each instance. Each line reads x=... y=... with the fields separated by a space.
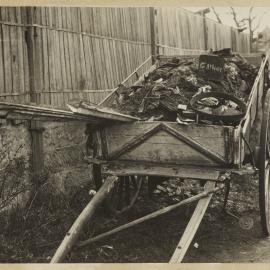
x=130 y=152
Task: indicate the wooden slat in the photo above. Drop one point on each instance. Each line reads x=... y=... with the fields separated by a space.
x=20 y=38
x=30 y=111
x=57 y=56
x=80 y=49
x=102 y=113
x=38 y=61
x=97 y=63
x=192 y=226
x=13 y=51
x=103 y=65
x=138 y=168
x=51 y=54
x=2 y=62
x=66 y=50
x=7 y=59
x=207 y=152
x=74 y=232
x=84 y=50
x=71 y=51
x=74 y=51
x=25 y=59
x=163 y=146
x=45 y=58
x=62 y=51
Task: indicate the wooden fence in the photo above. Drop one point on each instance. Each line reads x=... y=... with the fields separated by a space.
x=183 y=32
x=51 y=55
x=77 y=52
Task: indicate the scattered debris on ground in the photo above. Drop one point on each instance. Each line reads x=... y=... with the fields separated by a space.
x=178 y=189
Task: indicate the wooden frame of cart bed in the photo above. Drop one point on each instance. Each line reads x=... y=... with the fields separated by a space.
x=127 y=153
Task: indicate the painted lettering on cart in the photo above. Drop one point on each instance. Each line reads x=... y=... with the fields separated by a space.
x=212 y=67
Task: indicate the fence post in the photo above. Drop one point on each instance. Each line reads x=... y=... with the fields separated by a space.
x=231 y=41
x=153 y=33
x=205 y=32
x=30 y=54
x=35 y=127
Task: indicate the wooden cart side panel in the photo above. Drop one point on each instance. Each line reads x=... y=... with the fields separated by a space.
x=254 y=100
x=238 y=146
x=118 y=135
x=251 y=120
x=166 y=148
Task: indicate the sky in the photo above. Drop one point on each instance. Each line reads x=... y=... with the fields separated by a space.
x=261 y=12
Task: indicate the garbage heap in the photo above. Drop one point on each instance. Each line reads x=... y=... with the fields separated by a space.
x=174 y=83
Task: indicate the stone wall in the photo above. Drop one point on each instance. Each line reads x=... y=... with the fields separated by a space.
x=65 y=169
x=15 y=171
x=64 y=149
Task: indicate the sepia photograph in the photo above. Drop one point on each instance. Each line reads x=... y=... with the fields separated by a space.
x=134 y=134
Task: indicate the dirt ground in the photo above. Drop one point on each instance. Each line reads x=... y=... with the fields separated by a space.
x=34 y=234
x=220 y=238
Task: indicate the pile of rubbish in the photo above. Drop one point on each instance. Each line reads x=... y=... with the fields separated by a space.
x=178 y=189
x=170 y=87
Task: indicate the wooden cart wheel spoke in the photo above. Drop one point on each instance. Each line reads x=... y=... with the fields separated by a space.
x=127 y=190
x=268 y=203
x=133 y=181
x=268 y=146
x=264 y=167
x=125 y=194
x=138 y=189
x=266 y=193
x=120 y=193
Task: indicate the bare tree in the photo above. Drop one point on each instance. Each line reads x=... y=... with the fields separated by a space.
x=251 y=21
x=234 y=15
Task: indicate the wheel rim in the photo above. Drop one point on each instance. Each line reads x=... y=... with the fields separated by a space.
x=266 y=191
x=264 y=167
x=125 y=193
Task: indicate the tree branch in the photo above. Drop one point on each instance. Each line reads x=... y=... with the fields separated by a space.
x=258 y=23
x=253 y=17
x=250 y=11
x=237 y=23
x=217 y=15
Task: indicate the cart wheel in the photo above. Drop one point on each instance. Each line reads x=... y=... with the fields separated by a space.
x=124 y=194
x=264 y=167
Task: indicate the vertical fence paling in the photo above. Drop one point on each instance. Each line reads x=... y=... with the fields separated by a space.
x=71 y=50
x=189 y=33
